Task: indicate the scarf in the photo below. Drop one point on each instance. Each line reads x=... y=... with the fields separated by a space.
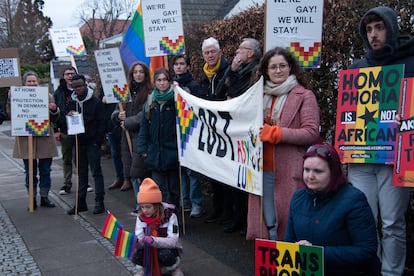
x=153 y=224
x=280 y=91
x=210 y=72
x=164 y=96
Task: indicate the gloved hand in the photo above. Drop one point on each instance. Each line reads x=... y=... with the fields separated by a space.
x=147 y=240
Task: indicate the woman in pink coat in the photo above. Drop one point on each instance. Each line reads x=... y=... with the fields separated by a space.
x=291 y=125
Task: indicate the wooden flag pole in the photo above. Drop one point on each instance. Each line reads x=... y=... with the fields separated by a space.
x=128 y=137
x=30 y=160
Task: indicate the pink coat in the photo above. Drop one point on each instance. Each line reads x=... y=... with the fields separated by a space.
x=300 y=129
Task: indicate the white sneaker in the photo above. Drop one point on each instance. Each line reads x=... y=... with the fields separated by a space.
x=177 y=272
x=90 y=189
x=196 y=211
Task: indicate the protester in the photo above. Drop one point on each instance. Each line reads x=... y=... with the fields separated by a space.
x=139 y=82
x=157 y=138
x=236 y=80
x=291 y=116
x=89 y=143
x=3 y=113
x=380 y=33
x=213 y=71
x=44 y=149
x=157 y=233
x=62 y=96
x=191 y=185
x=331 y=213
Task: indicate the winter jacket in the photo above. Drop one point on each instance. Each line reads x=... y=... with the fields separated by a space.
x=62 y=96
x=342 y=223
x=186 y=81
x=208 y=88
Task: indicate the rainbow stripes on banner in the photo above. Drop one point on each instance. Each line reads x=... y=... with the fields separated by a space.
x=76 y=51
x=172 y=48
x=368 y=100
x=125 y=244
x=35 y=129
x=132 y=48
x=404 y=156
x=111 y=227
x=186 y=120
x=307 y=59
x=283 y=258
x=122 y=94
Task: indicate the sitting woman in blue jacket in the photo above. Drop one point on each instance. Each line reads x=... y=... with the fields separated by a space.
x=331 y=213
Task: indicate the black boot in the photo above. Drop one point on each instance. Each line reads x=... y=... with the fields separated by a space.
x=99 y=207
x=45 y=202
x=82 y=207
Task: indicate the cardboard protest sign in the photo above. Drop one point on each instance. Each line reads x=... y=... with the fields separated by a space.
x=297 y=26
x=163 y=27
x=404 y=156
x=112 y=74
x=9 y=67
x=221 y=139
x=283 y=258
x=29 y=111
x=367 y=104
x=67 y=42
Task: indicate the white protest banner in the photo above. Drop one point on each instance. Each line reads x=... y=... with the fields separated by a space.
x=29 y=111
x=75 y=123
x=221 y=139
x=296 y=25
x=9 y=67
x=67 y=42
x=111 y=72
x=163 y=27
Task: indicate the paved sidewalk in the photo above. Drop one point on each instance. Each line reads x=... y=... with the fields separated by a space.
x=50 y=242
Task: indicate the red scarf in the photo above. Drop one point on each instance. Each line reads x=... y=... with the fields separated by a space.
x=154 y=224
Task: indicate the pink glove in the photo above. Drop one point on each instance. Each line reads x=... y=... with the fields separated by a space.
x=147 y=240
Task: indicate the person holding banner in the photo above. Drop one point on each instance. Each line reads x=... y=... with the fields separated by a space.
x=157 y=138
x=379 y=31
x=44 y=149
x=330 y=212
x=291 y=115
x=139 y=82
x=88 y=149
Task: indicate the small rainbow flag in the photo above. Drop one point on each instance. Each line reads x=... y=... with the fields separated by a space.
x=111 y=227
x=35 y=129
x=125 y=244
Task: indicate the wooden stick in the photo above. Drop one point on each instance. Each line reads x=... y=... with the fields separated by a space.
x=30 y=160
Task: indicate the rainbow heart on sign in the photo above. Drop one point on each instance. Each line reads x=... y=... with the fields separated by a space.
x=35 y=129
x=172 y=48
x=309 y=59
x=76 y=51
x=121 y=94
x=186 y=120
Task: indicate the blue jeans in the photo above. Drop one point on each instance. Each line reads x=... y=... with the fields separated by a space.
x=115 y=145
x=90 y=157
x=169 y=184
x=192 y=193
x=136 y=182
x=391 y=203
x=43 y=166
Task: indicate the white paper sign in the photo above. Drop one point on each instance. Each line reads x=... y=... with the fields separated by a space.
x=111 y=72
x=75 y=124
x=29 y=111
x=163 y=27
x=67 y=42
x=221 y=139
x=296 y=25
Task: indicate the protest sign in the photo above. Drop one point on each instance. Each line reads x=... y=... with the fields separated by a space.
x=163 y=27
x=221 y=139
x=297 y=26
x=29 y=111
x=9 y=67
x=367 y=104
x=67 y=42
x=404 y=156
x=111 y=72
x=274 y=258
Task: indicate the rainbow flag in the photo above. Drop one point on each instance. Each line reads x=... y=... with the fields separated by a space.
x=125 y=244
x=111 y=227
x=284 y=258
x=368 y=100
x=132 y=48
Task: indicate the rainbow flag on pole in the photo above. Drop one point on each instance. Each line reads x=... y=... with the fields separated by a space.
x=133 y=48
x=125 y=244
x=111 y=227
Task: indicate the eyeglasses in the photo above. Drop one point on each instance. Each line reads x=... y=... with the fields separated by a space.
x=281 y=67
x=244 y=47
x=322 y=152
x=69 y=74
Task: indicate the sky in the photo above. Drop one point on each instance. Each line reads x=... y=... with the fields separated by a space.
x=62 y=12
